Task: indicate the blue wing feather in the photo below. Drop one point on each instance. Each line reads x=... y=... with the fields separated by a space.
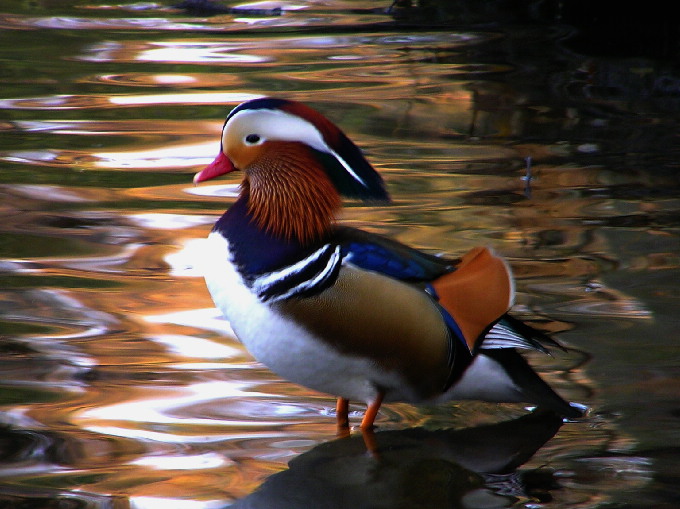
x=380 y=254
x=379 y=259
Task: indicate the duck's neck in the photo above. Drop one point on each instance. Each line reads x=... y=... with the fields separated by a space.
x=257 y=249
x=290 y=195
x=286 y=207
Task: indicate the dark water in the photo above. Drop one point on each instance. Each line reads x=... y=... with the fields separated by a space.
x=121 y=387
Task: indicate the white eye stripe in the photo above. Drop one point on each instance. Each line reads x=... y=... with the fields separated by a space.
x=277 y=125
x=283 y=126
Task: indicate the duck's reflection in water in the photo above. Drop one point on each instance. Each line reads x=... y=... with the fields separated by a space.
x=414 y=468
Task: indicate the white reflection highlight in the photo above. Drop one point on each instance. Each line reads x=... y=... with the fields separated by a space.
x=173 y=503
x=47 y=125
x=255 y=21
x=217 y=190
x=203 y=366
x=30 y=156
x=176 y=157
x=164 y=410
x=163 y=221
x=160 y=410
x=200 y=461
x=188 y=98
x=198 y=52
x=186 y=262
x=74 y=23
x=190 y=346
x=269 y=5
x=173 y=79
x=157 y=436
x=18 y=266
x=208 y=318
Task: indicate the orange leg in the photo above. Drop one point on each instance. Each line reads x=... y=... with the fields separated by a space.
x=342 y=417
x=367 y=423
x=372 y=411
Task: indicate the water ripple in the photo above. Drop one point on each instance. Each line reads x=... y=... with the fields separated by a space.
x=10 y=21
x=69 y=102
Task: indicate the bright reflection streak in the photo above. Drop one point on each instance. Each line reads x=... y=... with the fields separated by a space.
x=49 y=125
x=200 y=461
x=29 y=156
x=190 y=346
x=198 y=52
x=173 y=503
x=162 y=410
x=219 y=190
x=209 y=318
x=268 y=5
x=169 y=438
x=74 y=23
x=188 y=98
x=162 y=221
x=253 y=21
x=186 y=262
x=175 y=157
x=173 y=79
x=202 y=366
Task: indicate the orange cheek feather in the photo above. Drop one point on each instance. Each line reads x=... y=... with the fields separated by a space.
x=243 y=156
x=290 y=193
x=477 y=294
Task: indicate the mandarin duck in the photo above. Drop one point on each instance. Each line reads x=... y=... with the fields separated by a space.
x=343 y=311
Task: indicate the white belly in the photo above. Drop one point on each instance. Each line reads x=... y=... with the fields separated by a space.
x=281 y=344
x=484 y=380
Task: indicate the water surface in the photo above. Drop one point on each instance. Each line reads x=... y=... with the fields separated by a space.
x=120 y=386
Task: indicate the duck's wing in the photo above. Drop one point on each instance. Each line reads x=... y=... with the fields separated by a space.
x=377 y=253
x=474 y=292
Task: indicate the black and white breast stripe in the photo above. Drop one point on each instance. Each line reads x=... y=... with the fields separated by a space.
x=306 y=277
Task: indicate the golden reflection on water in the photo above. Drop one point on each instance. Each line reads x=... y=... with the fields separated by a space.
x=120 y=381
x=68 y=102
x=185 y=80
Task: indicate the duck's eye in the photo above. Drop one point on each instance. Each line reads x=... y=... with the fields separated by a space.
x=252 y=139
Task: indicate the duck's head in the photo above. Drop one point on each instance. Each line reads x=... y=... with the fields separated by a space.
x=297 y=165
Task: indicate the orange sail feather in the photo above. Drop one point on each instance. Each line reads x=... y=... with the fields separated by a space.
x=477 y=293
